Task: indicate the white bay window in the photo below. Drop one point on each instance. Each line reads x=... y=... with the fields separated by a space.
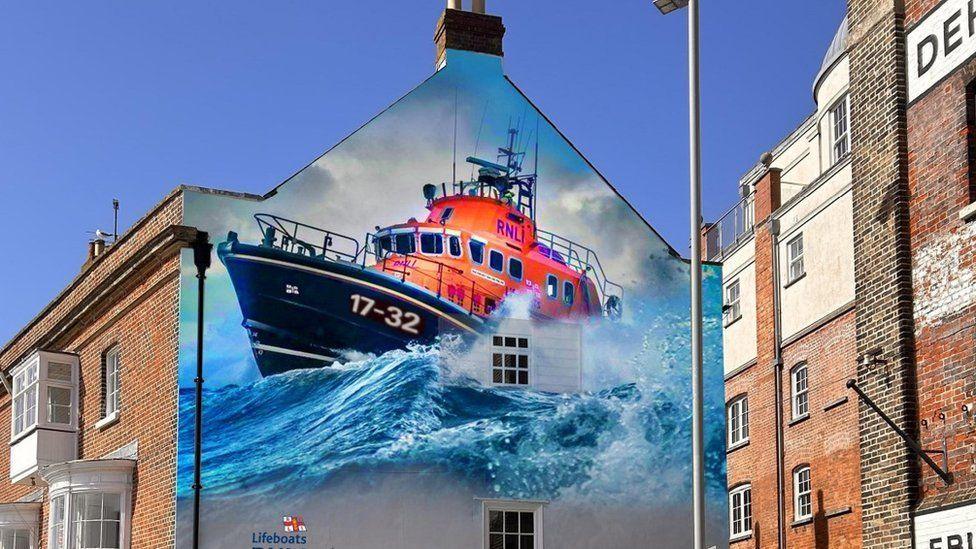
x=90 y=504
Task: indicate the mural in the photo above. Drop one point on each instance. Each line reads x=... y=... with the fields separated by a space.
x=447 y=331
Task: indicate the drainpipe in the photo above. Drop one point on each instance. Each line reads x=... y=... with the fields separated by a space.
x=201 y=258
x=778 y=365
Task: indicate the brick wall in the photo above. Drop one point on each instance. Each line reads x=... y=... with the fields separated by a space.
x=882 y=267
x=827 y=440
x=465 y=30
x=944 y=276
x=128 y=297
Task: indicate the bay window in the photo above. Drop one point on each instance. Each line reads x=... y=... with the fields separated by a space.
x=90 y=504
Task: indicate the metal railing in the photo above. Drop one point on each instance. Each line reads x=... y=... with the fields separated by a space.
x=732 y=228
x=580 y=258
x=299 y=238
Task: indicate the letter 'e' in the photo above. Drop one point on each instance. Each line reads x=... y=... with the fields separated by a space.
x=933 y=43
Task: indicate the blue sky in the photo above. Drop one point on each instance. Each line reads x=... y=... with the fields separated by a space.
x=119 y=99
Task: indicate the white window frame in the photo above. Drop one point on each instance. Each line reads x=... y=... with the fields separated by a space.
x=22 y=517
x=75 y=478
x=552 y=278
x=740 y=527
x=800 y=390
x=802 y=493
x=26 y=380
x=737 y=421
x=733 y=310
x=516 y=351
x=840 y=129
x=534 y=507
x=111 y=369
x=794 y=258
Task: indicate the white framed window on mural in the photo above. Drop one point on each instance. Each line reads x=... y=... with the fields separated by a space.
x=802 y=494
x=738 y=421
x=510 y=356
x=794 y=259
x=740 y=511
x=512 y=525
x=90 y=504
x=733 y=307
x=840 y=130
x=800 y=383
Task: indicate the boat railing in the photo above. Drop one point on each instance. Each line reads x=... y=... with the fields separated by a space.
x=460 y=289
x=299 y=238
x=580 y=258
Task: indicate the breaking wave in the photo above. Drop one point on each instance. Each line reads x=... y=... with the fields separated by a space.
x=616 y=441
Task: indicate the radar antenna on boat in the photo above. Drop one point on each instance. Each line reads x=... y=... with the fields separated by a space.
x=504 y=176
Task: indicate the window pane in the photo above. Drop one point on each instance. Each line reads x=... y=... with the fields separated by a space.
x=523 y=343
x=528 y=542
x=477 y=251
x=110 y=534
x=496 y=376
x=57 y=371
x=496 y=260
x=510 y=377
x=405 y=243
x=523 y=361
x=59 y=405
x=431 y=244
x=552 y=286
x=57 y=523
x=455 y=246
x=511 y=522
x=498 y=341
x=515 y=268
x=568 y=291
x=511 y=541
x=495 y=521
x=528 y=523
x=523 y=378
x=510 y=342
x=496 y=541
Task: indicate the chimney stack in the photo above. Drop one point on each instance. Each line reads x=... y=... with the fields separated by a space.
x=468 y=30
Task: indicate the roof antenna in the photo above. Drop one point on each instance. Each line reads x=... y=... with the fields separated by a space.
x=115 y=226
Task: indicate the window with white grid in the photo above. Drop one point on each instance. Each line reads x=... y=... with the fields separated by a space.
x=738 y=421
x=509 y=360
x=740 y=511
x=794 y=251
x=801 y=390
x=514 y=525
x=111 y=369
x=802 y=489
x=840 y=130
x=733 y=309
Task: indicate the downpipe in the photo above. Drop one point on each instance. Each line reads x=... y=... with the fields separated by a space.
x=202 y=249
x=778 y=378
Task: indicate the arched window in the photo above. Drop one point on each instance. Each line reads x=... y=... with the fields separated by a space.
x=740 y=511
x=802 y=490
x=738 y=421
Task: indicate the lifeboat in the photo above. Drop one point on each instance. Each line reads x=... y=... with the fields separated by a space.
x=308 y=294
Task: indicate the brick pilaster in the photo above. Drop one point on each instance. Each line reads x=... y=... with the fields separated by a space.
x=882 y=267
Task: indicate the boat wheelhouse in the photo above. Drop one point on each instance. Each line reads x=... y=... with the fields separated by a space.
x=308 y=294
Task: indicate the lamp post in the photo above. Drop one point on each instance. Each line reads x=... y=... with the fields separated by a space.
x=694 y=127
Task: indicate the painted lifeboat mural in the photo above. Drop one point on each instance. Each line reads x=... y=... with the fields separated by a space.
x=308 y=294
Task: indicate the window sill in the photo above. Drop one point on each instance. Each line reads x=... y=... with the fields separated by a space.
x=839 y=402
x=733 y=321
x=795 y=280
x=741 y=537
x=737 y=445
x=802 y=522
x=107 y=421
x=799 y=419
x=838 y=512
x=968 y=213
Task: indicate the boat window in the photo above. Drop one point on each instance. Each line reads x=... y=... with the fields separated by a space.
x=405 y=243
x=568 y=292
x=448 y=212
x=454 y=244
x=384 y=246
x=496 y=260
x=515 y=268
x=477 y=251
x=552 y=286
x=431 y=243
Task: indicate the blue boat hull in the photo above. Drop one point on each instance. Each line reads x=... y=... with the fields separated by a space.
x=303 y=312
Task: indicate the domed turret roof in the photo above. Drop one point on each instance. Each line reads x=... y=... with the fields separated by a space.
x=837 y=49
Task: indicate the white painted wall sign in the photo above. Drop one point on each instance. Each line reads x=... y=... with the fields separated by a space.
x=950 y=529
x=943 y=40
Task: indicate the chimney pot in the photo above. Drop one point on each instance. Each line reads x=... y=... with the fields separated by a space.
x=478 y=6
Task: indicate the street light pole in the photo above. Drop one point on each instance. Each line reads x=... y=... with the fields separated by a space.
x=694 y=134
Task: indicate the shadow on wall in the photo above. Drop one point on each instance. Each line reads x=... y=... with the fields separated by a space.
x=821 y=534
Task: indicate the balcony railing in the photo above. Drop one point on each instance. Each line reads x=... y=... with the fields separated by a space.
x=732 y=228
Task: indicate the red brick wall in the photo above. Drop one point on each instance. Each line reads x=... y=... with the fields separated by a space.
x=944 y=276
x=140 y=314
